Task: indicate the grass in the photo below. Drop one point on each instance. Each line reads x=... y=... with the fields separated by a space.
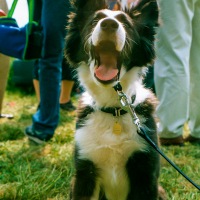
x=44 y=172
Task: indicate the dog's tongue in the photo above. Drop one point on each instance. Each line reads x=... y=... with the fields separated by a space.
x=107 y=70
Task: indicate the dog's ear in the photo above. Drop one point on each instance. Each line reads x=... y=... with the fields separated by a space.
x=145 y=12
x=145 y=15
x=82 y=11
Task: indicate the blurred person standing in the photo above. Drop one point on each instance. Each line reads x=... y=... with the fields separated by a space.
x=67 y=84
x=4 y=66
x=177 y=71
x=53 y=21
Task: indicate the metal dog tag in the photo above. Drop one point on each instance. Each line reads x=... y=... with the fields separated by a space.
x=117 y=128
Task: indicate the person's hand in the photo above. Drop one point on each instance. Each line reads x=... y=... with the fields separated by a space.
x=2 y=13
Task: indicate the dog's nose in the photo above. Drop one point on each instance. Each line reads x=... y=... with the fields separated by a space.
x=109 y=25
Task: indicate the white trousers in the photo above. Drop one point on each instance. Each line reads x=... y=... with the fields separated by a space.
x=177 y=67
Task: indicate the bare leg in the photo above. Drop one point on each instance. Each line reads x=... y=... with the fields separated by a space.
x=4 y=70
x=66 y=89
x=37 y=88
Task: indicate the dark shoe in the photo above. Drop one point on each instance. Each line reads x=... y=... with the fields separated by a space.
x=179 y=141
x=67 y=106
x=36 y=136
x=38 y=107
x=8 y=116
x=192 y=139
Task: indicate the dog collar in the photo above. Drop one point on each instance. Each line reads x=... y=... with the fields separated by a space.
x=117 y=111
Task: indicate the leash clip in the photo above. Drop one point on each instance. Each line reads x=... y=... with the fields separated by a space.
x=127 y=105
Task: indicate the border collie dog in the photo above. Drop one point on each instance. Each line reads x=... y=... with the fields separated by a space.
x=112 y=162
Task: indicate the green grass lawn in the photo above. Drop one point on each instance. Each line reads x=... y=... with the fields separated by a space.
x=31 y=172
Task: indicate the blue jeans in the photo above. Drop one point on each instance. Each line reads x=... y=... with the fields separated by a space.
x=53 y=20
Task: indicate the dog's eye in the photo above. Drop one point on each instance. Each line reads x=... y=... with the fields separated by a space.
x=124 y=20
x=99 y=16
x=121 y=17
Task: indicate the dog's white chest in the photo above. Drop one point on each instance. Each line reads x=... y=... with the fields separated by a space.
x=109 y=151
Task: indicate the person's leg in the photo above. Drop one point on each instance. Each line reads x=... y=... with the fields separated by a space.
x=53 y=21
x=4 y=70
x=194 y=115
x=36 y=80
x=66 y=86
x=36 y=86
x=171 y=72
x=66 y=89
x=65 y=96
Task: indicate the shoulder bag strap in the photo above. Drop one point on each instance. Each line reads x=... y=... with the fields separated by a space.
x=12 y=9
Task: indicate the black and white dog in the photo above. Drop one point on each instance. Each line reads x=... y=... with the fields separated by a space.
x=112 y=161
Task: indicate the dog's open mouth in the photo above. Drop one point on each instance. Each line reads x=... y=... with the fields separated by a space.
x=107 y=62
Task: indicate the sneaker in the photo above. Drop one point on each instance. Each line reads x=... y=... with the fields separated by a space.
x=67 y=106
x=179 y=141
x=36 y=136
x=38 y=107
x=192 y=139
x=8 y=116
